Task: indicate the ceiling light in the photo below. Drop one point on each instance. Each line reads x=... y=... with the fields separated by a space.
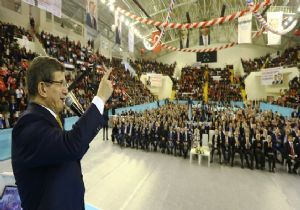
x=103 y=1
x=111 y=7
x=298 y=9
x=290 y=19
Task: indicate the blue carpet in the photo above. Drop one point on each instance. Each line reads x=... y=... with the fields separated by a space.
x=89 y=207
x=5 y=138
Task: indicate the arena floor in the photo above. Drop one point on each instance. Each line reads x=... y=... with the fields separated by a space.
x=132 y=179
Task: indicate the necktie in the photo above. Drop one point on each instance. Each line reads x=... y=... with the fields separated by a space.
x=59 y=121
x=292 y=149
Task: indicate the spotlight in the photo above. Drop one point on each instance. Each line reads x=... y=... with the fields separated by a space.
x=112 y=8
x=122 y=18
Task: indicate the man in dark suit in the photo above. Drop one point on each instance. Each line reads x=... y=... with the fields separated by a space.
x=90 y=15
x=46 y=158
x=291 y=151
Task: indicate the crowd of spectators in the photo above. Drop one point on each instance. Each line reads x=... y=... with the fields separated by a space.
x=144 y=66
x=126 y=86
x=262 y=139
x=13 y=65
x=290 y=97
x=221 y=85
x=190 y=85
x=289 y=58
x=128 y=89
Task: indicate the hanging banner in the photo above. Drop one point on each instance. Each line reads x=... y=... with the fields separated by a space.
x=275 y=21
x=244 y=29
x=130 y=41
x=52 y=6
x=155 y=37
x=91 y=13
x=31 y=2
x=271 y=76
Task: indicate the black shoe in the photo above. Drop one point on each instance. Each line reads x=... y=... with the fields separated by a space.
x=242 y=166
x=294 y=171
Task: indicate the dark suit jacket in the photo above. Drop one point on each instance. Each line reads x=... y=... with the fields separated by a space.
x=46 y=159
x=91 y=21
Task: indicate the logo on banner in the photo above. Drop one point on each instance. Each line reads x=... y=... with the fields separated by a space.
x=155 y=37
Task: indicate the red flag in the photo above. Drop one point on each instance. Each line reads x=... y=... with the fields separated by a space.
x=155 y=37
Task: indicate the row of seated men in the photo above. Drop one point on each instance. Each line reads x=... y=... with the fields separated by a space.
x=226 y=144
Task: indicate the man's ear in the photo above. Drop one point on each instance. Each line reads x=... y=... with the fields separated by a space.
x=42 y=89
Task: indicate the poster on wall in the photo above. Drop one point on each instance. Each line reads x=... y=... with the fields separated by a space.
x=271 y=76
x=52 y=6
x=91 y=13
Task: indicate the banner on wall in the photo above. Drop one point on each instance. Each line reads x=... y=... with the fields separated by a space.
x=275 y=21
x=154 y=80
x=91 y=13
x=271 y=76
x=130 y=41
x=31 y=2
x=52 y=6
x=244 y=29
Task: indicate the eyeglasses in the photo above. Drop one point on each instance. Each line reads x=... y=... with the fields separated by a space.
x=61 y=83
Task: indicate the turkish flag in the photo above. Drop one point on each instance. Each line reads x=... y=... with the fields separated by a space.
x=2 y=86
x=155 y=37
x=297 y=32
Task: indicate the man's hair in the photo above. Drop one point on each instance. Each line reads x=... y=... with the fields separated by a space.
x=41 y=69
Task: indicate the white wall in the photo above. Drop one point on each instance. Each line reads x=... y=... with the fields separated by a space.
x=19 y=19
x=256 y=91
x=55 y=29
x=164 y=91
x=231 y=55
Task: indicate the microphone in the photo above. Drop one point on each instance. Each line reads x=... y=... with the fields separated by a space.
x=73 y=106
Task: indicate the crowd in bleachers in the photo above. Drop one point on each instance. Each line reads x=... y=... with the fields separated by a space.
x=290 y=97
x=220 y=85
x=15 y=60
x=144 y=66
x=125 y=86
x=261 y=139
x=223 y=86
x=288 y=58
x=13 y=65
x=190 y=85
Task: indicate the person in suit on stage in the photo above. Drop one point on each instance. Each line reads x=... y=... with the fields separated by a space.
x=45 y=157
x=237 y=147
x=105 y=127
x=225 y=145
x=248 y=150
x=216 y=145
x=269 y=149
x=291 y=151
x=258 y=152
